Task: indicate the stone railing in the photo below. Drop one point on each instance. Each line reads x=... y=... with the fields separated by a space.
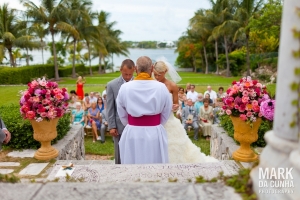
x=71 y=147
x=221 y=145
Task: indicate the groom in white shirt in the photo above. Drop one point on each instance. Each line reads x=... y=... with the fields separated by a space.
x=143 y=106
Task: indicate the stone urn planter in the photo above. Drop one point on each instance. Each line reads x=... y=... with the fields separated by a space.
x=44 y=132
x=246 y=135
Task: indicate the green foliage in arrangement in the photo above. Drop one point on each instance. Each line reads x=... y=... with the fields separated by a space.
x=21 y=130
x=23 y=75
x=265 y=126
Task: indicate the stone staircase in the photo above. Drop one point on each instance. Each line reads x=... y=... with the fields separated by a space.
x=108 y=172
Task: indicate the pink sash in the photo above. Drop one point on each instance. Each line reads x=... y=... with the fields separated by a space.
x=145 y=120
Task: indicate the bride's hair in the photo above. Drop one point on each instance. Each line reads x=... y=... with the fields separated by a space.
x=160 y=67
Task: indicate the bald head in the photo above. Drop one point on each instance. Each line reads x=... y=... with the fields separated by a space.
x=144 y=64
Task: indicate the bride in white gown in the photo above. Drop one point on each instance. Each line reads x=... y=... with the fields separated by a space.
x=180 y=147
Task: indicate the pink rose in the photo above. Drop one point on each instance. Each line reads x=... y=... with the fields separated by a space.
x=242 y=108
x=243 y=117
x=245 y=99
x=228 y=112
x=254 y=103
x=256 y=108
x=44 y=114
x=249 y=114
x=245 y=93
x=30 y=115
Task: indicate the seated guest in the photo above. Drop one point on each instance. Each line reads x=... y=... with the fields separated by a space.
x=180 y=93
x=104 y=125
x=93 y=98
x=73 y=94
x=4 y=134
x=189 y=117
x=192 y=94
x=199 y=102
x=187 y=88
x=212 y=94
x=206 y=118
x=100 y=104
x=86 y=106
x=221 y=94
x=97 y=95
x=218 y=107
x=94 y=120
x=78 y=115
x=182 y=103
x=207 y=96
x=72 y=103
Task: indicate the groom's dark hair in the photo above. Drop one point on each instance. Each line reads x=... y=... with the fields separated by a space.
x=144 y=64
x=128 y=63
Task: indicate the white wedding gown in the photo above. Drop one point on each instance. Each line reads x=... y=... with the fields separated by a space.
x=180 y=147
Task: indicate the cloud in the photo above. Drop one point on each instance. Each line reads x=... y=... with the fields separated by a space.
x=146 y=19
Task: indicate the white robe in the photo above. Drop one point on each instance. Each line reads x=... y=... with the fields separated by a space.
x=144 y=144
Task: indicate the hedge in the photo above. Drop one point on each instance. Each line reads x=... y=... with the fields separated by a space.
x=265 y=126
x=23 y=75
x=21 y=130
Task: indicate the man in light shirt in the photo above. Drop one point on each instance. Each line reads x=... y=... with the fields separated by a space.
x=213 y=94
x=192 y=94
x=92 y=97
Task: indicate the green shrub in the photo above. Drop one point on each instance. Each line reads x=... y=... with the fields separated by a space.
x=21 y=130
x=23 y=75
x=237 y=62
x=67 y=71
x=265 y=126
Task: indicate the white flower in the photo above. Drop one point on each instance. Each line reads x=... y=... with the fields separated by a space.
x=39 y=119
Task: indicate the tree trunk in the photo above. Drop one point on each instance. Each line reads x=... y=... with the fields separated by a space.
x=89 y=55
x=226 y=53
x=248 y=57
x=27 y=57
x=217 y=55
x=54 y=58
x=11 y=57
x=205 y=57
x=42 y=42
x=100 y=67
x=193 y=63
x=74 y=54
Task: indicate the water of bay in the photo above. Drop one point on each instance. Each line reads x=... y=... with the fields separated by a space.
x=134 y=54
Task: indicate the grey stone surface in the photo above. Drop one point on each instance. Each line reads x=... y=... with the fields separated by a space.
x=33 y=169
x=71 y=147
x=9 y=164
x=18 y=191
x=26 y=153
x=146 y=173
x=221 y=145
x=247 y=164
x=80 y=191
x=6 y=171
x=84 y=162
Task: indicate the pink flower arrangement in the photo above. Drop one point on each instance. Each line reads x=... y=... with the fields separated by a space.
x=43 y=100
x=248 y=99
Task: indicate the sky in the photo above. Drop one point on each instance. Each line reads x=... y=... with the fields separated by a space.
x=140 y=20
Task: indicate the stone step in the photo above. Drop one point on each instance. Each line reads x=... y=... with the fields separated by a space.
x=95 y=171
x=79 y=191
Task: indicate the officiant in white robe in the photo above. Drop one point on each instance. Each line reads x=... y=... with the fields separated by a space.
x=144 y=106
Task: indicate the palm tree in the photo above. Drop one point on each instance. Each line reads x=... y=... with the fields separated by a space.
x=8 y=30
x=202 y=30
x=109 y=42
x=77 y=19
x=246 y=11
x=50 y=12
x=39 y=31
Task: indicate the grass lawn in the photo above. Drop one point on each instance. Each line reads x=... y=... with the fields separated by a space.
x=97 y=82
x=107 y=148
